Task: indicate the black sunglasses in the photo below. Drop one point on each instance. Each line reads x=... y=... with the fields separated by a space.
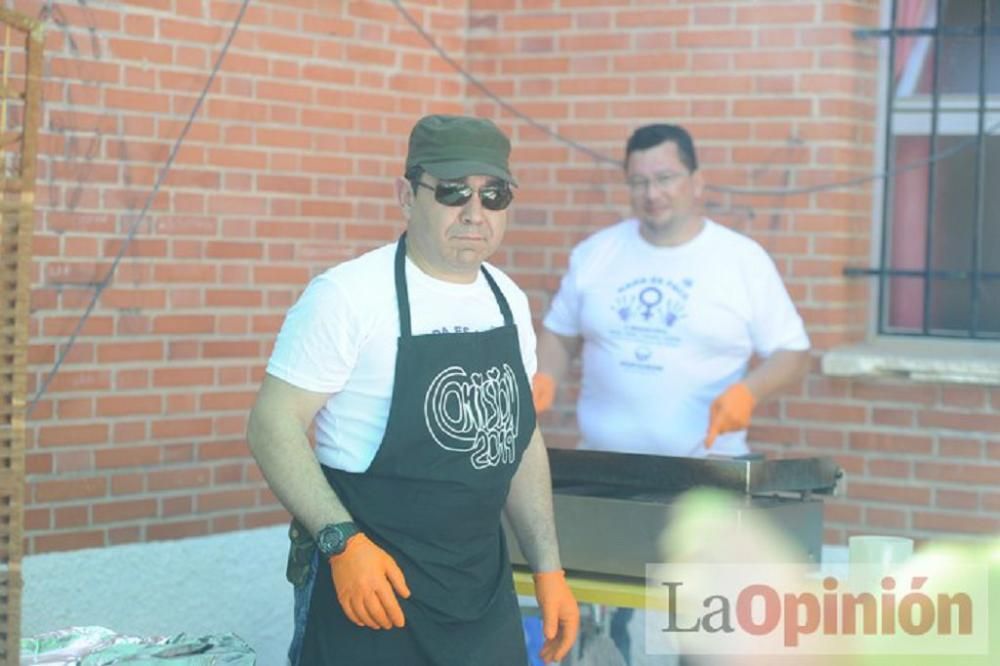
x=493 y=197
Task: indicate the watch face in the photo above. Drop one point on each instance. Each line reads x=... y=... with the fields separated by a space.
x=330 y=540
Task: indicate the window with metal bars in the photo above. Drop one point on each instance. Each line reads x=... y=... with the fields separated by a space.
x=939 y=273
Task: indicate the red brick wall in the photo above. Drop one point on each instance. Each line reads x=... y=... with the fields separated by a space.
x=288 y=170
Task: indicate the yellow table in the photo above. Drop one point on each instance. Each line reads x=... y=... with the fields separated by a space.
x=592 y=588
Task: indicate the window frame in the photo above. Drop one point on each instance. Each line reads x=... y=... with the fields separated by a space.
x=914 y=115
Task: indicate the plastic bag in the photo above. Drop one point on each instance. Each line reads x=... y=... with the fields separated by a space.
x=99 y=646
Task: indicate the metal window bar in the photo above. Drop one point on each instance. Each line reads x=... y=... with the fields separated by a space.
x=886 y=199
x=975 y=276
x=931 y=167
x=980 y=183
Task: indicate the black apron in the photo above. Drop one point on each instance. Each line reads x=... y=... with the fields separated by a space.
x=460 y=418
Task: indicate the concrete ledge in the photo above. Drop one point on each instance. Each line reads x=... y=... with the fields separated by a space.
x=935 y=361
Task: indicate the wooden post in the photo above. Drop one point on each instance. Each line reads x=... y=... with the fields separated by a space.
x=20 y=110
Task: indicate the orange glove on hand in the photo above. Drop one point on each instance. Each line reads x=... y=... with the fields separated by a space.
x=560 y=614
x=367 y=581
x=730 y=412
x=543 y=392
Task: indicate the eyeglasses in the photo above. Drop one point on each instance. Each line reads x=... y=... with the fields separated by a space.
x=493 y=197
x=660 y=181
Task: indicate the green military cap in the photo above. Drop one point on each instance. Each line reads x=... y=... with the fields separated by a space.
x=451 y=147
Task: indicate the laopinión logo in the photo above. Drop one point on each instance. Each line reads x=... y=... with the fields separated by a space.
x=784 y=609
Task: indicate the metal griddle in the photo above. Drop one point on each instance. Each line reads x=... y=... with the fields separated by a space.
x=611 y=508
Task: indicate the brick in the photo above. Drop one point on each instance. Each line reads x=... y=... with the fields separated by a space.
x=127 y=484
x=178 y=453
x=129 y=431
x=127 y=456
x=226 y=499
x=131 y=380
x=906 y=393
x=766 y=13
x=230 y=474
x=177 y=530
x=181 y=376
x=70 y=381
x=825 y=412
x=176 y=506
x=122 y=535
x=175 y=479
x=230 y=425
x=229 y=523
x=963 y=396
x=959 y=421
x=69 y=489
x=71 y=516
x=69 y=462
x=893 y=417
x=964 y=474
x=37 y=519
x=129 y=405
x=216 y=450
x=889 y=518
x=125 y=352
x=956 y=499
x=890 y=467
x=884 y=492
x=73 y=435
x=113 y=512
x=265 y=518
x=65 y=541
x=232 y=298
x=188 y=31
x=181 y=324
x=890 y=442
x=840 y=512
x=181 y=428
x=825 y=439
x=228 y=400
x=954 y=447
x=955 y=522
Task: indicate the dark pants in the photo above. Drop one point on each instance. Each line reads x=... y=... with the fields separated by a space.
x=619 y=631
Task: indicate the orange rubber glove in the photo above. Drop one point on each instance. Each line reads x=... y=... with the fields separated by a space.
x=730 y=412
x=367 y=581
x=543 y=392
x=560 y=614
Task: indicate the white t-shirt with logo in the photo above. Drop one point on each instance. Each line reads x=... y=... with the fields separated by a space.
x=340 y=338
x=666 y=330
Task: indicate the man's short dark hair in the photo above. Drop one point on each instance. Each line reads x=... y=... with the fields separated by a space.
x=650 y=136
x=413 y=175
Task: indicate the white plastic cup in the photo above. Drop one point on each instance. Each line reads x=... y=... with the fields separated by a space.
x=885 y=551
x=871 y=557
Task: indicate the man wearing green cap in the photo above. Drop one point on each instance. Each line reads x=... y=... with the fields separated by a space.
x=414 y=363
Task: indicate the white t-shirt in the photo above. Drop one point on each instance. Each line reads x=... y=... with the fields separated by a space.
x=340 y=338
x=666 y=330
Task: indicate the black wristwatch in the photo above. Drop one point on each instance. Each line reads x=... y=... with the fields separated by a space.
x=332 y=539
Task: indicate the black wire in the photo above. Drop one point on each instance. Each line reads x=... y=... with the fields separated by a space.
x=723 y=189
x=103 y=284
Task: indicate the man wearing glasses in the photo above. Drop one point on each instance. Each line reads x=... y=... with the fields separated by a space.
x=669 y=308
x=414 y=361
